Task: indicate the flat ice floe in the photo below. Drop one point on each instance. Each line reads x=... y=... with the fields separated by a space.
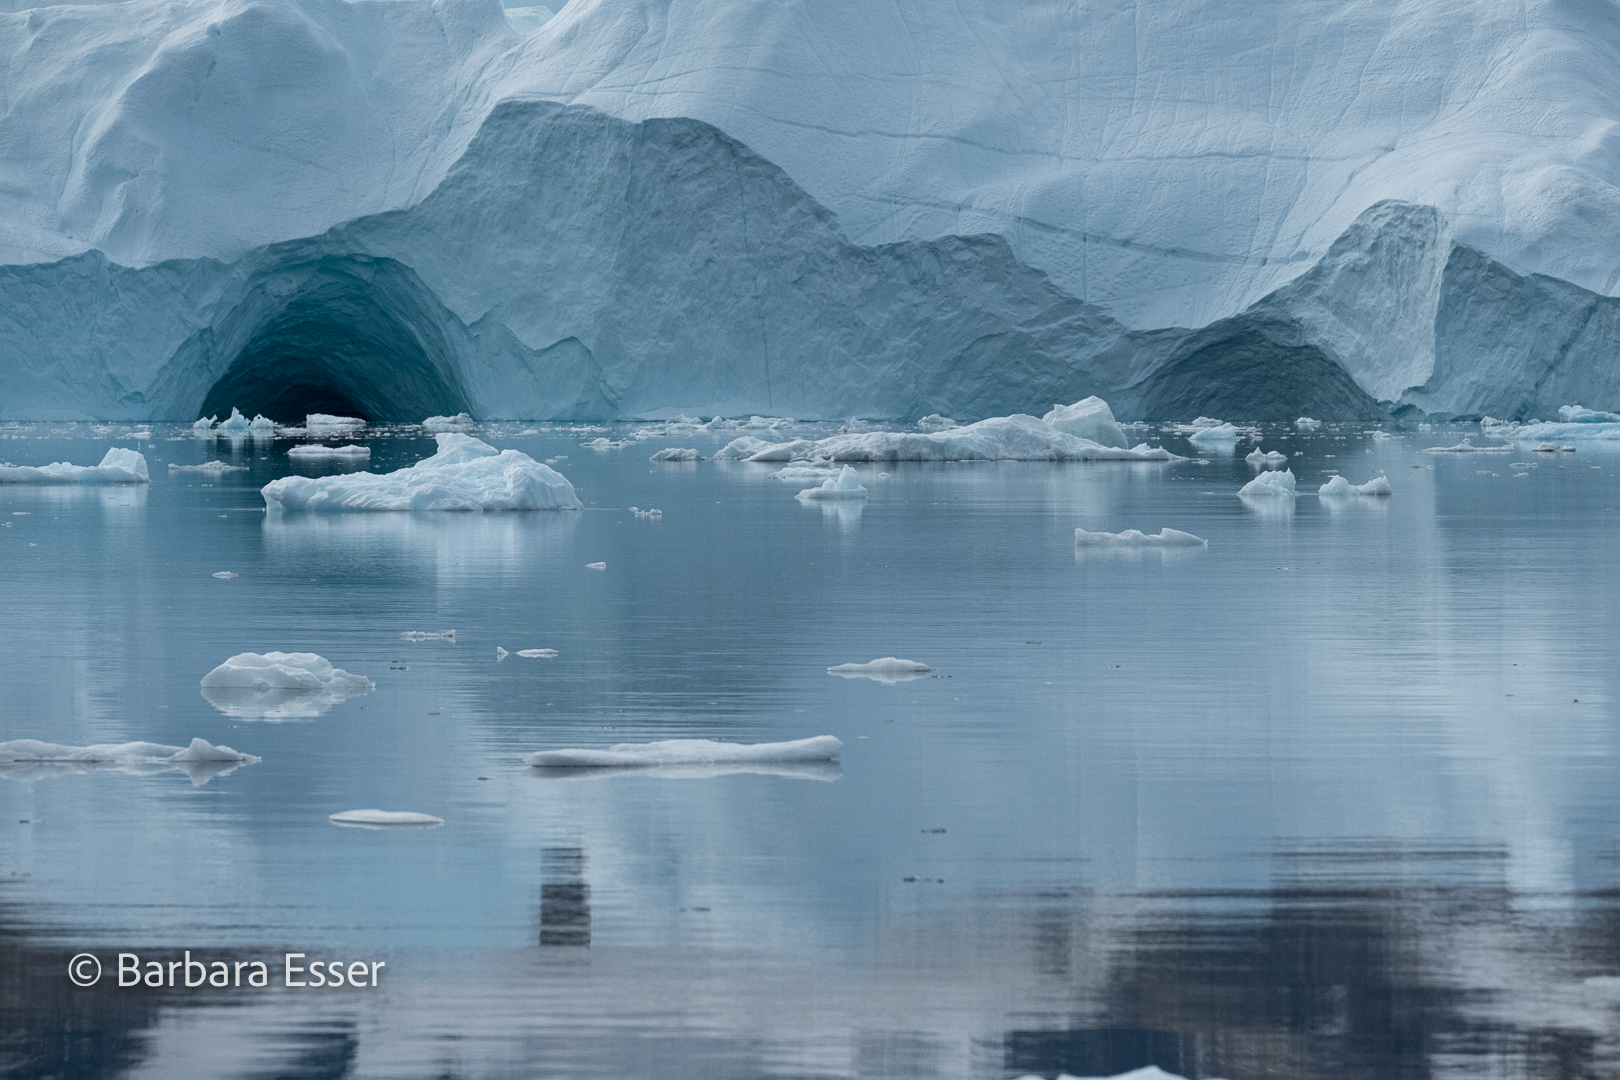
x=1000 y=438
x=1578 y=431
x=1271 y=485
x=213 y=468
x=458 y=422
x=383 y=819
x=317 y=452
x=539 y=654
x=676 y=453
x=328 y=422
x=1378 y=485
x=1466 y=447
x=465 y=474
x=118 y=466
x=1089 y=419
x=845 y=485
x=280 y=686
x=689 y=752
x=423 y=635
x=1137 y=538
x=201 y=761
x=885 y=669
x=1306 y=423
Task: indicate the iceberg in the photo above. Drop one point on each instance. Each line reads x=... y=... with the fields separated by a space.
x=201 y=761
x=1305 y=423
x=676 y=454
x=465 y=474
x=885 y=669
x=317 y=452
x=213 y=468
x=1378 y=485
x=1088 y=419
x=1220 y=436
x=1265 y=460
x=205 y=426
x=383 y=819
x=118 y=466
x=1000 y=438
x=689 y=752
x=235 y=424
x=459 y=422
x=1270 y=485
x=1569 y=431
x=845 y=485
x=327 y=422
x=1133 y=538
x=280 y=686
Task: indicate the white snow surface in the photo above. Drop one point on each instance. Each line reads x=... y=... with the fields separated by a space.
x=1378 y=485
x=1131 y=538
x=1088 y=419
x=383 y=818
x=118 y=466
x=465 y=474
x=844 y=485
x=1000 y=438
x=1271 y=485
x=689 y=752
x=317 y=452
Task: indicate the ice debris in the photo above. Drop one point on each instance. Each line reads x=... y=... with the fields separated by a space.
x=802 y=472
x=1271 y=484
x=458 y=422
x=1265 y=460
x=465 y=474
x=1305 y=423
x=538 y=654
x=119 y=466
x=1165 y=537
x=640 y=513
x=317 y=452
x=280 y=686
x=1207 y=438
x=846 y=485
x=1089 y=419
x=1000 y=438
x=214 y=468
x=423 y=635
x=885 y=669
x=31 y=759
x=1466 y=447
x=383 y=819
x=1378 y=485
x=688 y=752
x=205 y=426
x=676 y=454
x=596 y=566
x=226 y=575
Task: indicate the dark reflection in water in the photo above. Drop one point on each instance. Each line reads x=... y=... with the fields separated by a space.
x=565 y=897
x=318 y=1052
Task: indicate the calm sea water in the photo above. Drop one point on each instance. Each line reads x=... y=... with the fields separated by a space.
x=1334 y=797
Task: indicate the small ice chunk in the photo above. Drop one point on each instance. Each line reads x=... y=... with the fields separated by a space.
x=1089 y=419
x=382 y=819
x=205 y=426
x=261 y=426
x=802 y=472
x=423 y=635
x=1135 y=538
x=603 y=444
x=676 y=454
x=284 y=671
x=1211 y=437
x=846 y=485
x=647 y=513
x=688 y=752
x=538 y=654
x=225 y=574
x=885 y=669
x=596 y=566
x=1271 y=484
x=1265 y=460
x=1305 y=423
x=235 y=424
x=120 y=753
x=213 y=468
x=328 y=422
x=1466 y=447
x=458 y=422
x=500 y=653
x=1208 y=422
x=1378 y=485
x=317 y=452
x=119 y=466
x=935 y=422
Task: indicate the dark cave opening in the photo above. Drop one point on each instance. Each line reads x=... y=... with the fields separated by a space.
x=354 y=340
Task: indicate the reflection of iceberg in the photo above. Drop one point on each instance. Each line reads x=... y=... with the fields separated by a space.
x=30 y=759
x=280 y=686
x=825 y=771
x=885 y=669
x=821 y=748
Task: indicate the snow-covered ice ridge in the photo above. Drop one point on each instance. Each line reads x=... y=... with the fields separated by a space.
x=1263 y=210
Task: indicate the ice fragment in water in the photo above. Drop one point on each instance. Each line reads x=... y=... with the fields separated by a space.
x=316 y=452
x=689 y=752
x=500 y=653
x=1466 y=447
x=1000 y=438
x=538 y=654
x=596 y=566
x=1305 y=423
x=885 y=669
x=280 y=686
x=1269 y=458
x=119 y=466
x=458 y=422
x=1214 y=437
x=31 y=759
x=647 y=513
x=1378 y=485
x=235 y=424
x=1575 y=414
x=328 y=422
x=225 y=574
x=1089 y=419
x=846 y=485
x=211 y=467
x=676 y=454
x=423 y=635
x=1271 y=484
x=1135 y=538
x=383 y=819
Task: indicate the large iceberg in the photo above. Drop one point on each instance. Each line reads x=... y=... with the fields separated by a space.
x=465 y=474
x=118 y=466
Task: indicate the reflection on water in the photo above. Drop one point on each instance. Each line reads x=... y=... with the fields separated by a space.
x=276 y=703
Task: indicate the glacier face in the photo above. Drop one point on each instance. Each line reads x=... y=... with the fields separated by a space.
x=382 y=208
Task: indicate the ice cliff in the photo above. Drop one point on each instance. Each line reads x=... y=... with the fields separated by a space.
x=397 y=208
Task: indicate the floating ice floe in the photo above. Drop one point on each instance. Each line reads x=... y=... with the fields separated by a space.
x=885 y=669
x=458 y=422
x=1089 y=419
x=213 y=468
x=604 y=444
x=846 y=485
x=676 y=453
x=1305 y=423
x=423 y=635
x=465 y=474
x=1000 y=438
x=205 y=426
x=235 y=424
x=935 y=422
x=500 y=653
x=119 y=466
x=1270 y=485
x=226 y=575
x=328 y=422
x=1212 y=438
x=280 y=686
x=1137 y=538
x=538 y=654
x=802 y=472
x=317 y=452
x=1578 y=431
x=201 y=761
x=1265 y=460
x=1378 y=485
x=1553 y=448
x=1466 y=447
x=383 y=819
x=596 y=566
x=639 y=512
x=1207 y=422
x=689 y=752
